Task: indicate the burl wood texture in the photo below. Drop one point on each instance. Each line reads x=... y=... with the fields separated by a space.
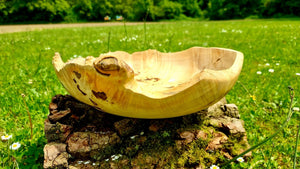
x=151 y=84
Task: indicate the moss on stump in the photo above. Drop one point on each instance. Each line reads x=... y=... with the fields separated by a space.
x=80 y=136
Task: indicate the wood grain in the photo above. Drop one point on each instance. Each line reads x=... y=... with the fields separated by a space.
x=151 y=84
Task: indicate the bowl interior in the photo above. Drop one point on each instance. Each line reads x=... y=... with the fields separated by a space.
x=163 y=74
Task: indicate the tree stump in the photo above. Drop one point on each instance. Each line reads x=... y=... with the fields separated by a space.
x=80 y=136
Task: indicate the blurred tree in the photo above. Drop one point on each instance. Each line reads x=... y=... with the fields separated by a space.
x=138 y=10
x=170 y=9
x=83 y=8
x=279 y=8
x=191 y=8
x=33 y=10
x=101 y=8
x=227 y=9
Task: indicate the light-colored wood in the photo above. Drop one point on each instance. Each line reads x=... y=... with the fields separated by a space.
x=151 y=84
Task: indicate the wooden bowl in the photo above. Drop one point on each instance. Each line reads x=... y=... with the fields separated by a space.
x=151 y=84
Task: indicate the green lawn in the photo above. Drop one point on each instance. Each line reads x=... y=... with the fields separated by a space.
x=270 y=47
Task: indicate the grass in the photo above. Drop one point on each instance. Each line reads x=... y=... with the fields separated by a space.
x=263 y=99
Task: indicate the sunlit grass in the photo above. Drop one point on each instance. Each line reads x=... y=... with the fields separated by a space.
x=272 y=62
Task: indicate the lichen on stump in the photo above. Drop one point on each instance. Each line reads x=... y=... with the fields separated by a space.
x=80 y=136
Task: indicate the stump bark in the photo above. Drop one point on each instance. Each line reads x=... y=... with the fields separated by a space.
x=80 y=136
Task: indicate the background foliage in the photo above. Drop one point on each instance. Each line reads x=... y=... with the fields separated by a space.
x=12 y=11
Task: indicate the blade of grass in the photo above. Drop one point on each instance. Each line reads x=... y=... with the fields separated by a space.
x=296 y=146
x=108 y=41
x=269 y=161
x=29 y=117
x=126 y=34
x=145 y=30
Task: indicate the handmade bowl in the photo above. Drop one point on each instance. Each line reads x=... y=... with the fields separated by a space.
x=151 y=84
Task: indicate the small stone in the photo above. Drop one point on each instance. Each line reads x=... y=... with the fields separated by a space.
x=78 y=144
x=231 y=125
x=125 y=126
x=156 y=125
x=227 y=155
x=55 y=156
x=153 y=127
x=87 y=144
x=235 y=126
x=187 y=136
x=201 y=135
x=179 y=144
x=57 y=116
x=231 y=110
x=142 y=139
x=52 y=106
x=200 y=167
x=101 y=141
x=217 y=142
x=57 y=132
x=215 y=110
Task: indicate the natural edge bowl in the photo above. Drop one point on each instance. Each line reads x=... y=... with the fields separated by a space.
x=151 y=84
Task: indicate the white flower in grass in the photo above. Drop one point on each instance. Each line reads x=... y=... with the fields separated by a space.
x=86 y=162
x=297 y=74
x=214 y=167
x=259 y=72
x=271 y=70
x=159 y=44
x=267 y=64
x=296 y=109
x=277 y=64
x=30 y=81
x=179 y=43
x=15 y=146
x=224 y=31
x=240 y=159
x=133 y=137
x=239 y=31
x=6 y=137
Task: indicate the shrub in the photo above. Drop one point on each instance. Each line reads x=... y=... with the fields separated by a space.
x=171 y=9
x=33 y=11
x=280 y=8
x=227 y=9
